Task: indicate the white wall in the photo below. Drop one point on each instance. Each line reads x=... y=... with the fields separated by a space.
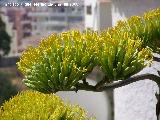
x=122 y=9
x=91 y=20
x=96 y=103
x=136 y=101
x=100 y=18
x=104 y=15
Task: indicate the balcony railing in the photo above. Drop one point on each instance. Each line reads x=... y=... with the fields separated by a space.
x=49 y=23
x=57 y=14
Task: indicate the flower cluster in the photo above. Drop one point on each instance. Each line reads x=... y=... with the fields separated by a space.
x=30 y=105
x=59 y=61
x=147 y=27
x=120 y=55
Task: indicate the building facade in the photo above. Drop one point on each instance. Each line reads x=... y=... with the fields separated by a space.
x=98 y=14
x=58 y=18
x=21 y=23
x=36 y=22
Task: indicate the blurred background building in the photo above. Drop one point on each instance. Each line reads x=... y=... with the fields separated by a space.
x=46 y=20
x=28 y=25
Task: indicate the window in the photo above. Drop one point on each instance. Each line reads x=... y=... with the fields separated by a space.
x=26 y=34
x=62 y=9
x=89 y=10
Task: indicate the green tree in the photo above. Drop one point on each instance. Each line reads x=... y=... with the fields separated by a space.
x=5 y=39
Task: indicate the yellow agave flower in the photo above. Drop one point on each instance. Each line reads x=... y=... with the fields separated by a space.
x=31 y=105
x=121 y=55
x=60 y=61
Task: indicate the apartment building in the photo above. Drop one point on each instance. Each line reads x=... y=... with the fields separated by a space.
x=36 y=22
x=21 y=23
x=57 y=18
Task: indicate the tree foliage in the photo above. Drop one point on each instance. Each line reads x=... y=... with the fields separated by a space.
x=31 y=105
x=5 y=39
x=7 y=90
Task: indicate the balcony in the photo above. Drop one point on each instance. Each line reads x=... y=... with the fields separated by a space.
x=49 y=23
x=56 y=14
